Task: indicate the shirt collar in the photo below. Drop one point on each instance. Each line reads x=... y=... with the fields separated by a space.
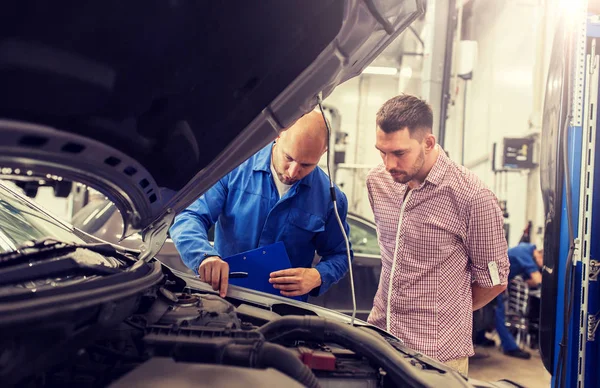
x=262 y=162
x=436 y=175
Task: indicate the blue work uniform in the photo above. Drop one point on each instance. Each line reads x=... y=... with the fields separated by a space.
x=247 y=213
x=522 y=263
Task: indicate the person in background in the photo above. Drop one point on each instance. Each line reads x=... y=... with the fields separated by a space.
x=278 y=194
x=525 y=261
x=440 y=230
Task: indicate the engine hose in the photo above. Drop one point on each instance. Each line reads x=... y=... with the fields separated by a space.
x=284 y=360
x=266 y=355
x=374 y=348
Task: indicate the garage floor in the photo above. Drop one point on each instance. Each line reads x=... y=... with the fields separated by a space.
x=490 y=364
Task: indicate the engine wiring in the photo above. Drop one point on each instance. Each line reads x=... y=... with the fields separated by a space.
x=335 y=208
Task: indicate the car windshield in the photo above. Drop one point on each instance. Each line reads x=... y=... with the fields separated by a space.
x=20 y=222
x=363 y=237
x=94 y=216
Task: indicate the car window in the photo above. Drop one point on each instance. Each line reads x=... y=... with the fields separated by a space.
x=363 y=237
x=94 y=215
x=20 y=222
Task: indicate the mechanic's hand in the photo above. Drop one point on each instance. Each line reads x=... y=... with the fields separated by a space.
x=215 y=272
x=295 y=281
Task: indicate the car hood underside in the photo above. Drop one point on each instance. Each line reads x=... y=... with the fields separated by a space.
x=153 y=101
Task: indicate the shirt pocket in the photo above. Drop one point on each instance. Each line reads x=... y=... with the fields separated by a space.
x=303 y=226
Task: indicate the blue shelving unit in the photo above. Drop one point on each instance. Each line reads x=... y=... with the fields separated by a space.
x=583 y=364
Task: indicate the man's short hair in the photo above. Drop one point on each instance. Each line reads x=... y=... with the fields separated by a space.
x=405 y=111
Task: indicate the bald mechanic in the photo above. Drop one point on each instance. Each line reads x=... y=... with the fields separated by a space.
x=278 y=194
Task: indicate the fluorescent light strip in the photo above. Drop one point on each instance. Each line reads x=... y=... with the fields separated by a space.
x=380 y=70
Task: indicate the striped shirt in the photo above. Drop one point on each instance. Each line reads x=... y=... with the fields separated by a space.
x=434 y=244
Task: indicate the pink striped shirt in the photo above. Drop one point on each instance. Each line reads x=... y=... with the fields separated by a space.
x=433 y=245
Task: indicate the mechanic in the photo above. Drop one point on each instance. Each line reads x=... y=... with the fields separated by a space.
x=525 y=261
x=440 y=231
x=278 y=194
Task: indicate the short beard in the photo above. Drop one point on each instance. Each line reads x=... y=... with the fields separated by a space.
x=413 y=171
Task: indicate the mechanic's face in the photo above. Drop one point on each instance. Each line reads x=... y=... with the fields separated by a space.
x=402 y=155
x=297 y=150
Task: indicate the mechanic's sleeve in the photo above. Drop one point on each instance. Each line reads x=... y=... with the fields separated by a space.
x=331 y=246
x=485 y=241
x=190 y=228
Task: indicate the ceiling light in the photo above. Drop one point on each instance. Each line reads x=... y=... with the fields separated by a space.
x=379 y=70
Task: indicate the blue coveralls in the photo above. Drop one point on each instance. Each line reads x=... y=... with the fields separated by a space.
x=247 y=213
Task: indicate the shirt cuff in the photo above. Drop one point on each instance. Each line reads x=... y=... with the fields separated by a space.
x=327 y=279
x=483 y=278
x=195 y=262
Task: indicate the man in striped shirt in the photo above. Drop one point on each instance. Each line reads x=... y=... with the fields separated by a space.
x=440 y=230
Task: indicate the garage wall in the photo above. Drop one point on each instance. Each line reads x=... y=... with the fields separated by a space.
x=503 y=99
x=358 y=101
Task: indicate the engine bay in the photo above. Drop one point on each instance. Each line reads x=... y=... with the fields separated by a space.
x=172 y=333
x=140 y=324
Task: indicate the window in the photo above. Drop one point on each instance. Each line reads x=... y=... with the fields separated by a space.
x=363 y=237
x=20 y=222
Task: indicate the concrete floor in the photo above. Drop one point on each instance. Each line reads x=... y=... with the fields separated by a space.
x=490 y=364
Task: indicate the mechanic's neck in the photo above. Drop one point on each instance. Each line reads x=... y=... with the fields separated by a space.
x=430 y=159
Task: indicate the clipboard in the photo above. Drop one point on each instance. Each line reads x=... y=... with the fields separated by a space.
x=259 y=263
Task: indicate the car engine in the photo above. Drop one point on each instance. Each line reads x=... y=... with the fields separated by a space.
x=202 y=339
x=91 y=315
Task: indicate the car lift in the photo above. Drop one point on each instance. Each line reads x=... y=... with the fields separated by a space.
x=582 y=348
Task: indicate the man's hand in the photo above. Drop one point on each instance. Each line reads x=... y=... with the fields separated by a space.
x=483 y=295
x=215 y=272
x=535 y=279
x=295 y=281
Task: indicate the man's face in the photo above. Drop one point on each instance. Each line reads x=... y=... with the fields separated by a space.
x=402 y=155
x=295 y=156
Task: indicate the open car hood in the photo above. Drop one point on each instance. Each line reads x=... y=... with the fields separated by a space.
x=152 y=102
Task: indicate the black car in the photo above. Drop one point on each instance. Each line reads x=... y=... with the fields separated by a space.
x=151 y=102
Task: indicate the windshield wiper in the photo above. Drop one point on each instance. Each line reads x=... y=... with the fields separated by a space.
x=55 y=267
x=49 y=257
x=38 y=249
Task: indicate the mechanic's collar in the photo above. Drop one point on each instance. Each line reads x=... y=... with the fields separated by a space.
x=263 y=163
x=436 y=175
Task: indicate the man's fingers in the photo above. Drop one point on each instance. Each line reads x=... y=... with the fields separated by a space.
x=224 y=279
x=204 y=271
x=285 y=280
x=215 y=277
x=201 y=273
x=285 y=272
x=212 y=271
x=207 y=274
x=287 y=287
